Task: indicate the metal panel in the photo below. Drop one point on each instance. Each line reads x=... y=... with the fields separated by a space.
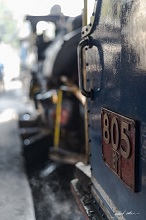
x=118 y=145
x=120 y=87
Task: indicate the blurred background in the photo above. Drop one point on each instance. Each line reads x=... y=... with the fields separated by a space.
x=13 y=29
x=38 y=75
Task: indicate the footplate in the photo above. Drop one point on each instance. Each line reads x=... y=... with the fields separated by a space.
x=81 y=190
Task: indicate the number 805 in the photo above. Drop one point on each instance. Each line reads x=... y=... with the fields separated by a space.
x=116 y=134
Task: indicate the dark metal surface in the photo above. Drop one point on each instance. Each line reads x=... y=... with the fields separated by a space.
x=65 y=63
x=121 y=33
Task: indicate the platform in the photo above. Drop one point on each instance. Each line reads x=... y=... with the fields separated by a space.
x=16 y=202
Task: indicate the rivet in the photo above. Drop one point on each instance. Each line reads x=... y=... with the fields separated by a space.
x=92 y=211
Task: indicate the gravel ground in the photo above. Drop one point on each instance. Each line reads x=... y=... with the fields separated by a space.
x=52 y=196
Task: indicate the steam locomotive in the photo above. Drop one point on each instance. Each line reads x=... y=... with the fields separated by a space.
x=110 y=177
x=112 y=77
x=56 y=131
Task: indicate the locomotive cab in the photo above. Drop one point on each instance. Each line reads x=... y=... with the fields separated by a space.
x=112 y=77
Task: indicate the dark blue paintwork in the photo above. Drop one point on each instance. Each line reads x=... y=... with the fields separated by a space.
x=121 y=87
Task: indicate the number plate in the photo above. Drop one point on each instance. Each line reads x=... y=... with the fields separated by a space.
x=118 y=146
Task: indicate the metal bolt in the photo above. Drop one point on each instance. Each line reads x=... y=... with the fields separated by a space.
x=92 y=211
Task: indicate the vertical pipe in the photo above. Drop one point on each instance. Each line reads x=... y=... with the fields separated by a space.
x=85 y=13
x=58 y=119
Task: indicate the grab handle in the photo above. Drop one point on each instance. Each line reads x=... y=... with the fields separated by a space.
x=89 y=42
x=82 y=44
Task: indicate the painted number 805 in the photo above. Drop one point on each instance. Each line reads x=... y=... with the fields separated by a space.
x=116 y=134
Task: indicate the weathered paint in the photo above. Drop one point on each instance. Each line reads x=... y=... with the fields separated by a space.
x=116 y=75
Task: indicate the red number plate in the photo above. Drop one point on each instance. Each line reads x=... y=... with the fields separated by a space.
x=118 y=146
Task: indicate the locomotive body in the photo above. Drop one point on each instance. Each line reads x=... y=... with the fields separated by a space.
x=58 y=102
x=112 y=76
